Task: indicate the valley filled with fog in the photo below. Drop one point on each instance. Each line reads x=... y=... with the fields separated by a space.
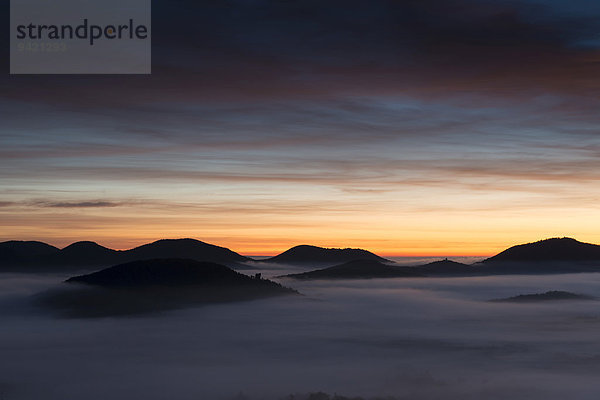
x=406 y=338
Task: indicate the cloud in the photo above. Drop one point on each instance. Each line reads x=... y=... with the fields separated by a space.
x=271 y=50
x=76 y=204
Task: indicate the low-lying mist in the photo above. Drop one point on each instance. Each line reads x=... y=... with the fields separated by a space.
x=418 y=338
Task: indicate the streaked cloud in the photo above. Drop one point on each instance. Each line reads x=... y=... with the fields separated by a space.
x=75 y=204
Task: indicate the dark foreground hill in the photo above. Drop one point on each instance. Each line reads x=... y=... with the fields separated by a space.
x=320 y=256
x=368 y=269
x=547 y=296
x=155 y=285
x=36 y=256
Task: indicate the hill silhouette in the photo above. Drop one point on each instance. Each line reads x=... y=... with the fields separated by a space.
x=358 y=269
x=549 y=250
x=156 y=285
x=446 y=267
x=36 y=256
x=305 y=254
x=24 y=253
x=82 y=253
x=367 y=269
x=185 y=248
x=558 y=255
x=547 y=296
x=162 y=272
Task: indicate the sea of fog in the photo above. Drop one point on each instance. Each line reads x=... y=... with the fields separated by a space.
x=417 y=338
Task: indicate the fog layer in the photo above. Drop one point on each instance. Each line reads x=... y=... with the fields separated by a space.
x=421 y=338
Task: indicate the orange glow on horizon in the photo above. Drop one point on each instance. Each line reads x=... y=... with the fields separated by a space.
x=262 y=249
x=470 y=224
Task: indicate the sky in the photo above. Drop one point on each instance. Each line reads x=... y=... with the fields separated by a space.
x=422 y=127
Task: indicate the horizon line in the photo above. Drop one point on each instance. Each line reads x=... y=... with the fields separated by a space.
x=272 y=253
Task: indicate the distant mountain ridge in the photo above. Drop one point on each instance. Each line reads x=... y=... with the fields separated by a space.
x=556 y=255
x=37 y=256
x=550 y=256
x=306 y=254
